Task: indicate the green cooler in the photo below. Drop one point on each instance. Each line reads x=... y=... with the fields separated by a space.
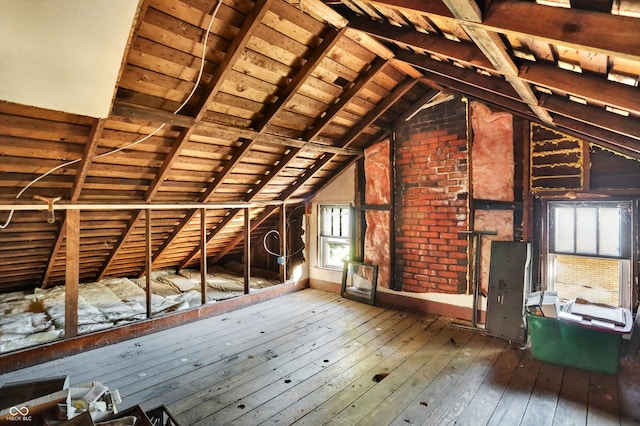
x=562 y=342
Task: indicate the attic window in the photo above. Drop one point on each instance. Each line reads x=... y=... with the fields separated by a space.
x=589 y=250
x=335 y=243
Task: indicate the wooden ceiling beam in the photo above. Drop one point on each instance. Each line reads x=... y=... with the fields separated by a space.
x=580 y=29
x=144 y=114
x=353 y=133
x=234 y=52
x=376 y=66
x=219 y=226
x=87 y=157
x=463 y=51
x=283 y=98
x=615 y=123
x=268 y=211
x=589 y=123
x=311 y=63
x=138 y=215
x=587 y=87
x=223 y=131
x=467 y=76
x=318 y=54
x=599 y=136
x=62 y=233
x=169 y=161
x=494 y=49
x=398 y=92
x=616 y=132
x=494 y=98
x=429 y=7
x=81 y=175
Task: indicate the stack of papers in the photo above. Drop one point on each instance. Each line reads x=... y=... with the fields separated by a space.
x=598 y=313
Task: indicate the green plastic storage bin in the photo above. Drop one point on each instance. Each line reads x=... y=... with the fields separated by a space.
x=561 y=342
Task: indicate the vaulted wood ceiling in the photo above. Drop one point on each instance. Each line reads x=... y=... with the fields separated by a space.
x=288 y=95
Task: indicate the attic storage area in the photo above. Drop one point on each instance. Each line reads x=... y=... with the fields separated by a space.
x=164 y=243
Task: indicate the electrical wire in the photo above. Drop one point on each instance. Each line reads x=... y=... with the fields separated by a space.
x=277 y=234
x=134 y=143
x=264 y=242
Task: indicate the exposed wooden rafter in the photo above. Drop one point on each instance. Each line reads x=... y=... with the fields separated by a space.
x=314 y=59
x=266 y=213
x=462 y=51
x=222 y=71
x=81 y=175
x=494 y=49
x=353 y=133
x=588 y=88
x=580 y=29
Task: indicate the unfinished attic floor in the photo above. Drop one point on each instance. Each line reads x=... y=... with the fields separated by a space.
x=312 y=358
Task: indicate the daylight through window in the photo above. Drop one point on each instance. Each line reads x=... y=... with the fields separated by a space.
x=334 y=236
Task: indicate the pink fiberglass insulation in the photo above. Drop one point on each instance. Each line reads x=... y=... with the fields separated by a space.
x=377 y=171
x=492 y=154
x=376 y=244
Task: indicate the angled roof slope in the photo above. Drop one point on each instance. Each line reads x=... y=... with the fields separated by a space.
x=283 y=100
x=288 y=95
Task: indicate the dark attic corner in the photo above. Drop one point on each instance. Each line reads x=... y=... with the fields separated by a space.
x=319 y=212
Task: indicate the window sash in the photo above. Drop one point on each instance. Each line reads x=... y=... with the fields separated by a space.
x=334 y=243
x=587 y=230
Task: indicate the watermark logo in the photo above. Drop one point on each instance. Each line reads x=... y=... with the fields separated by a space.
x=19 y=414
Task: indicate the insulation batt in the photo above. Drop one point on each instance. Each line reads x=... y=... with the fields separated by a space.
x=28 y=319
x=378 y=192
x=492 y=154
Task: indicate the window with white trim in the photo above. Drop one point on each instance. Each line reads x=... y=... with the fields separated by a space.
x=589 y=251
x=334 y=238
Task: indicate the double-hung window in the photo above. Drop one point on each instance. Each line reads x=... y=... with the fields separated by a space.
x=334 y=236
x=589 y=251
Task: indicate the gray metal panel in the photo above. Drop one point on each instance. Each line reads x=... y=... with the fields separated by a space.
x=507 y=273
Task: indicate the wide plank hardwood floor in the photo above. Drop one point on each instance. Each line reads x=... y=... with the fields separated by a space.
x=312 y=357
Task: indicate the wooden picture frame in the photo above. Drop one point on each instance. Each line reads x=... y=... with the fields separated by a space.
x=359 y=281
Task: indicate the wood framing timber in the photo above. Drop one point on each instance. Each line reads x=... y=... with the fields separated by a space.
x=72 y=273
x=462 y=51
x=352 y=134
x=89 y=153
x=247 y=249
x=140 y=114
x=494 y=49
x=576 y=28
x=587 y=88
x=310 y=65
x=268 y=211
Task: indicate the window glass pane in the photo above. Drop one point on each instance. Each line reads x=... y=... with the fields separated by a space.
x=335 y=222
x=609 y=231
x=564 y=229
x=325 y=221
x=337 y=253
x=335 y=246
x=344 y=213
x=586 y=230
x=593 y=278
